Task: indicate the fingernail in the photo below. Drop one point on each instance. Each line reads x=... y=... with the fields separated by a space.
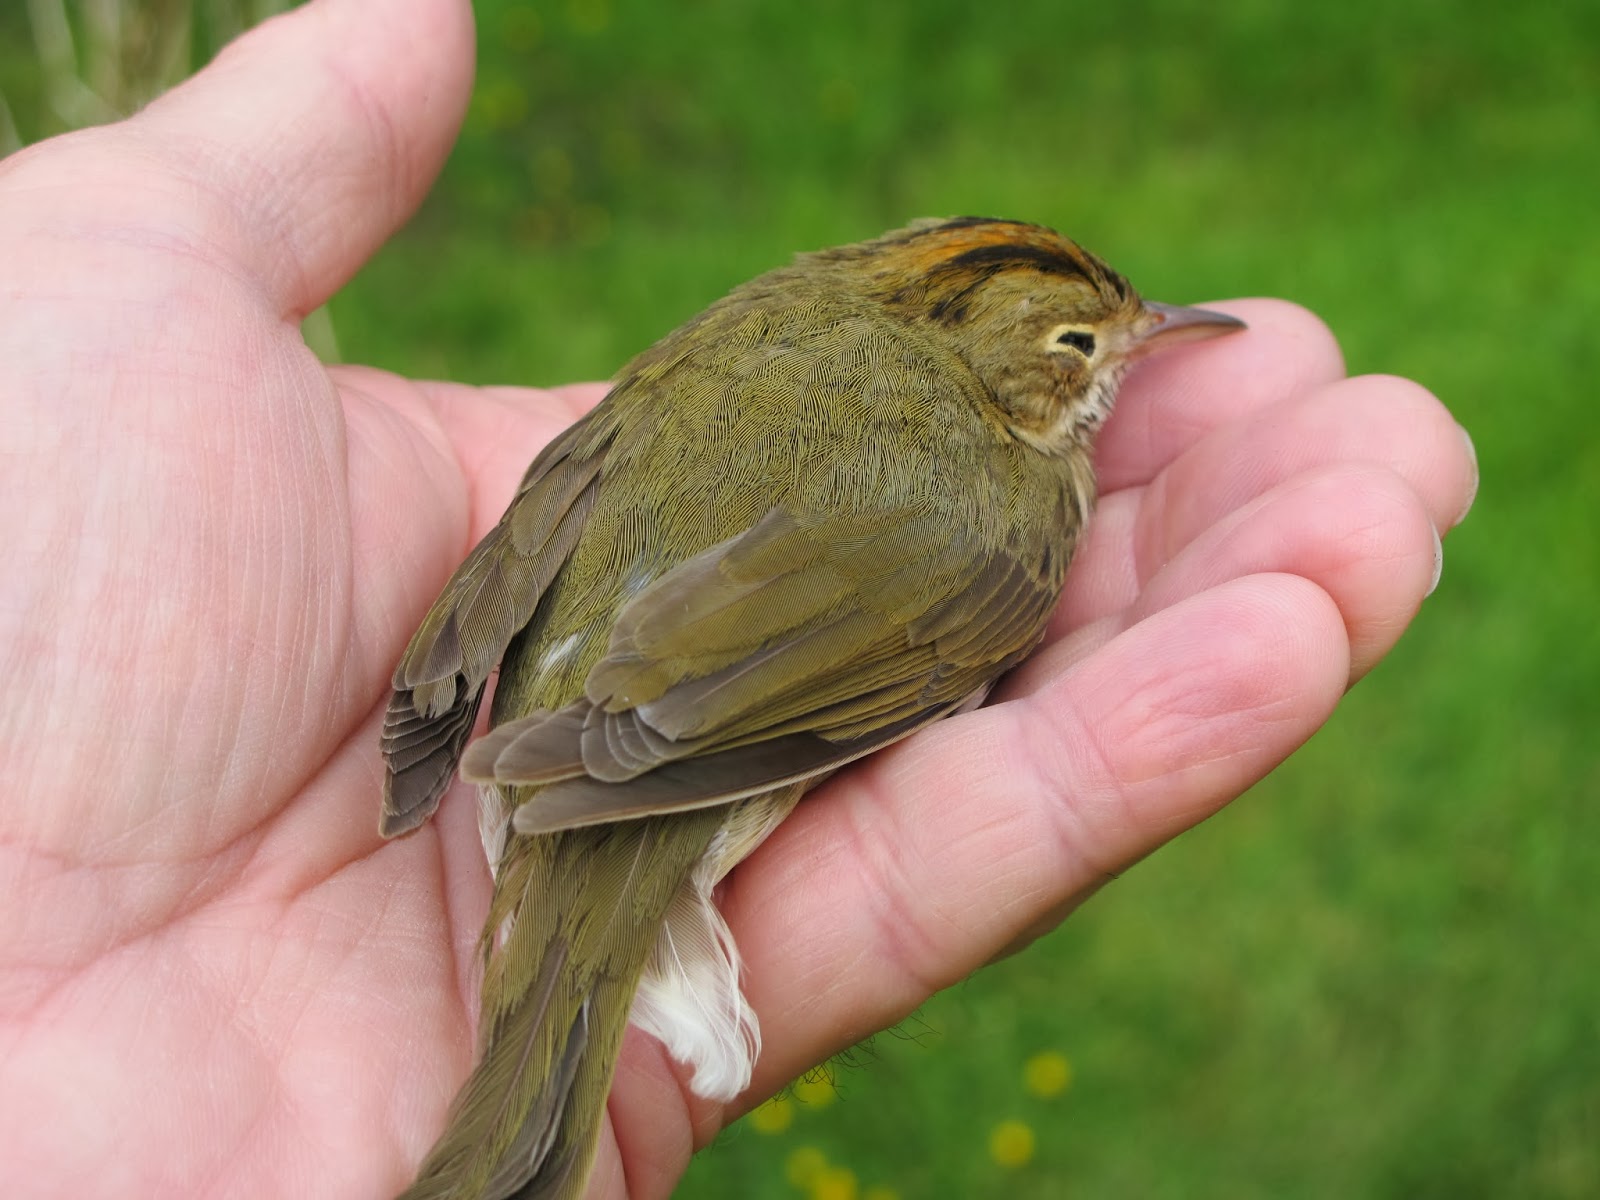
x=1472 y=494
x=1438 y=562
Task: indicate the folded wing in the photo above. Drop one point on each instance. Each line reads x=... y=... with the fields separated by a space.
x=775 y=657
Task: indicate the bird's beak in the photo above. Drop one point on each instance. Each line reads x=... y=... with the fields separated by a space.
x=1166 y=325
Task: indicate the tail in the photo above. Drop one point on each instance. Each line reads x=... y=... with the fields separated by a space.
x=574 y=920
x=514 y=1130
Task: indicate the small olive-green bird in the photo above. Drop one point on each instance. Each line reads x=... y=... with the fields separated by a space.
x=831 y=509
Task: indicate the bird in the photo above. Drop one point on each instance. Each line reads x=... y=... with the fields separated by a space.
x=828 y=511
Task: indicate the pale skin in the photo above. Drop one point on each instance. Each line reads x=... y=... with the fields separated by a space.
x=215 y=978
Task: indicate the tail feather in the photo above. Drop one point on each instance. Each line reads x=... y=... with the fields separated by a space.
x=516 y=1133
x=504 y=1121
x=538 y=1134
x=573 y=923
x=540 y=1162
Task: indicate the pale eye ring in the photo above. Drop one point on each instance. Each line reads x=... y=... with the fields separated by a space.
x=1070 y=339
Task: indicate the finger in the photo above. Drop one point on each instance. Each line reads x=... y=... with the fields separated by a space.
x=1374 y=419
x=1176 y=397
x=312 y=137
x=647 y=1146
x=1358 y=531
x=911 y=871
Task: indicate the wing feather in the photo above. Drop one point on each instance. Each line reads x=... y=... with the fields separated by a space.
x=439 y=682
x=771 y=658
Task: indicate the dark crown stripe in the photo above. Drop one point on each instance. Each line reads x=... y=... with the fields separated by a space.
x=1009 y=255
x=955 y=280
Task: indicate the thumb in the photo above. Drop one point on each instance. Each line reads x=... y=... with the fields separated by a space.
x=300 y=149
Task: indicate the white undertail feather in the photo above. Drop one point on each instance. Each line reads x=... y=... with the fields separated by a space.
x=494 y=822
x=689 y=997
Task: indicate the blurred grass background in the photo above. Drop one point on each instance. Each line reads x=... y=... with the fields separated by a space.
x=1376 y=975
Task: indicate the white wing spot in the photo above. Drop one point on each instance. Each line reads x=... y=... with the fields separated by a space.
x=558 y=652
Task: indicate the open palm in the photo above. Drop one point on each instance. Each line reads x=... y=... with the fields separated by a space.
x=215 y=979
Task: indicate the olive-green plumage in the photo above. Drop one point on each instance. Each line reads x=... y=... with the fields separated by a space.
x=831 y=509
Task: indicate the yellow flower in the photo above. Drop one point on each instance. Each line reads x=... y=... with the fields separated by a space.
x=774 y=1116
x=804 y=1164
x=1011 y=1143
x=835 y=1183
x=817 y=1092
x=1047 y=1074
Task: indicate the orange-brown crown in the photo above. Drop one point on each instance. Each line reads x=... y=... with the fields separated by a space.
x=937 y=265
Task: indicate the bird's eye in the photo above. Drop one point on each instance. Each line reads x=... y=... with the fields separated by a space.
x=1071 y=337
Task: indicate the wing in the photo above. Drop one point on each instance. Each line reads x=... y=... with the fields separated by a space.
x=773 y=657
x=440 y=680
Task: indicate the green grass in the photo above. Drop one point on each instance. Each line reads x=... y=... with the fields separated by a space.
x=1377 y=974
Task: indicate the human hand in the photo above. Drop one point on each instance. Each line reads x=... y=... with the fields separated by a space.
x=218 y=979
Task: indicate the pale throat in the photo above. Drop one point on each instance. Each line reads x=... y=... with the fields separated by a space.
x=1070 y=427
